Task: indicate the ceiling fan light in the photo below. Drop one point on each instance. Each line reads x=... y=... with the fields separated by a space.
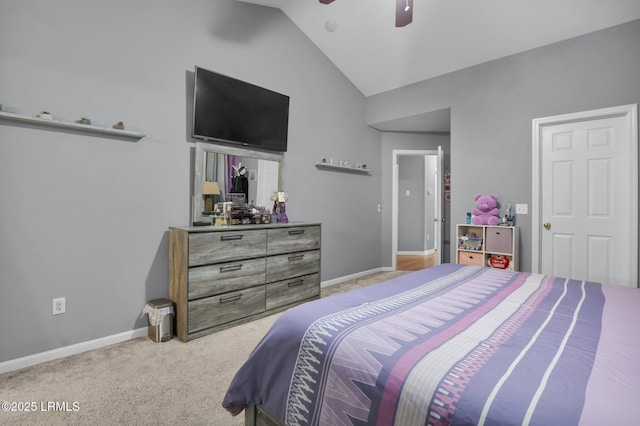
x=330 y=26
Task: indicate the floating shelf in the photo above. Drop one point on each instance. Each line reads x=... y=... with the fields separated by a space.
x=70 y=125
x=339 y=168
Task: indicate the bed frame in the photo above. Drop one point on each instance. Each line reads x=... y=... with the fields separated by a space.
x=257 y=415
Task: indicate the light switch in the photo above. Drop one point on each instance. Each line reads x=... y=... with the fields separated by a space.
x=407 y=193
x=522 y=209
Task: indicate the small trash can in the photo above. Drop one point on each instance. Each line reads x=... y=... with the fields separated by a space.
x=160 y=319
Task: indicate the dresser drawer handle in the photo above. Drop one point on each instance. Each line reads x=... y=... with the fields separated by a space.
x=296 y=232
x=231 y=268
x=230 y=237
x=296 y=257
x=295 y=283
x=230 y=299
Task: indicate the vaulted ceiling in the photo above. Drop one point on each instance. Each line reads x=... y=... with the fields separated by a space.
x=361 y=39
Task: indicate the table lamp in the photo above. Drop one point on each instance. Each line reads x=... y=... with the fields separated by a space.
x=209 y=189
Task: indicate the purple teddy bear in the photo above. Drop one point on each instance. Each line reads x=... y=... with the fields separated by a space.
x=486 y=212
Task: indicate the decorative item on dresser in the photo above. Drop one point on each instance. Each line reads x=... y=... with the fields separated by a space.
x=487 y=245
x=223 y=276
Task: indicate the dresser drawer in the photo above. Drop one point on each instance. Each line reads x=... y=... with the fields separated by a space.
x=216 y=310
x=220 y=278
x=216 y=247
x=289 y=240
x=499 y=240
x=285 y=292
x=287 y=266
x=471 y=258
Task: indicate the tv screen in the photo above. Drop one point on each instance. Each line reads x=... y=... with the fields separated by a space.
x=229 y=110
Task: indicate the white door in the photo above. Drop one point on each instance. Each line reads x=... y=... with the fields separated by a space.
x=588 y=186
x=438 y=217
x=267 y=179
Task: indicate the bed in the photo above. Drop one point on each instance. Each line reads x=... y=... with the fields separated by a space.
x=452 y=344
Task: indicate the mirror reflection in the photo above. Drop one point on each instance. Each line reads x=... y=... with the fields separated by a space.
x=232 y=174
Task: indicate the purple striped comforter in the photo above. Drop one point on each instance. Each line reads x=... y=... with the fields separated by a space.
x=456 y=345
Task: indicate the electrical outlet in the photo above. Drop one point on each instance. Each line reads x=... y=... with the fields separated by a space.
x=522 y=208
x=59 y=305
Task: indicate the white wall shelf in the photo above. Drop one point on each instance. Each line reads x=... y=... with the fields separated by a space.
x=339 y=168
x=69 y=125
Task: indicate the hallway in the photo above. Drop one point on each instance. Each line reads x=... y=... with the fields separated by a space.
x=415 y=262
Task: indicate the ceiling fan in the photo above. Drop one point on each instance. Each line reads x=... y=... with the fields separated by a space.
x=404 y=11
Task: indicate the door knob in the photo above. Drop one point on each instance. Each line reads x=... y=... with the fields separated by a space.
x=547 y=225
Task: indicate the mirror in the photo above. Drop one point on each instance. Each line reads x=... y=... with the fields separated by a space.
x=220 y=164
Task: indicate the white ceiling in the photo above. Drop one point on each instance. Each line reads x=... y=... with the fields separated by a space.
x=446 y=35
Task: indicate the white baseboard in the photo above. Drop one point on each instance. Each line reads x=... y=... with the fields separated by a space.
x=349 y=277
x=416 y=253
x=28 y=361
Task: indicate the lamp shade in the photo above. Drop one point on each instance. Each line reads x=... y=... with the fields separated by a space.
x=210 y=188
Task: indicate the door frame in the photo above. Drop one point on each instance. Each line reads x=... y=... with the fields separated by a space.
x=394 y=200
x=630 y=113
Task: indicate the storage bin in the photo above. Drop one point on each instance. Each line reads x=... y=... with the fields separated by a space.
x=498 y=240
x=471 y=258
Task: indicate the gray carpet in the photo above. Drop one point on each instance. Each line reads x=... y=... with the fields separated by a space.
x=142 y=382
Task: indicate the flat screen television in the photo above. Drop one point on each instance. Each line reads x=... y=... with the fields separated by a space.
x=229 y=110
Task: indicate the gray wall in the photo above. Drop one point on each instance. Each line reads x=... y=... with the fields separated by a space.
x=411 y=208
x=86 y=216
x=492 y=106
x=416 y=174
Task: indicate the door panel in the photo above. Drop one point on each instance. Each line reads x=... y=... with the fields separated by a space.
x=563 y=260
x=599 y=248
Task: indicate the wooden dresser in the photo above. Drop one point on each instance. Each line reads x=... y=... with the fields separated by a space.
x=227 y=275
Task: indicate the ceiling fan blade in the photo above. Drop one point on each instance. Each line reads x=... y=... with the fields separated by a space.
x=404 y=12
x=326 y=1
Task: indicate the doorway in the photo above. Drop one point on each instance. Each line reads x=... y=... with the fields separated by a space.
x=415 y=262
x=585 y=196
x=417 y=209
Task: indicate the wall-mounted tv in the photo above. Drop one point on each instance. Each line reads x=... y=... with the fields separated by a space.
x=229 y=110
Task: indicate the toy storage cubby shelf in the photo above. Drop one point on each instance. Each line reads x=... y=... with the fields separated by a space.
x=488 y=245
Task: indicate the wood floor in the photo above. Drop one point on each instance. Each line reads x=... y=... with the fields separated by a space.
x=415 y=262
